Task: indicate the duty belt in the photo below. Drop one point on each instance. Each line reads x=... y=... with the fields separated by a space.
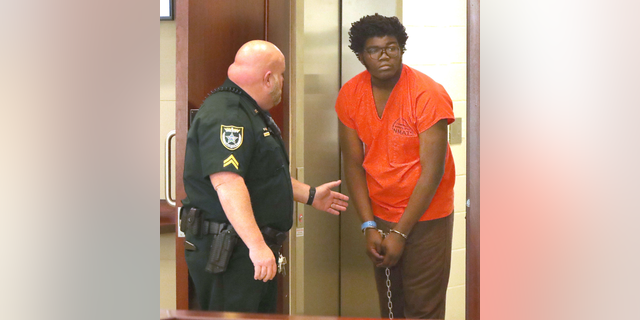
x=206 y=227
x=191 y=219
x=212 y=227
x=225 y=239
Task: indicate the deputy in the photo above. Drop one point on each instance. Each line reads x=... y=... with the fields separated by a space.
x=236 y=176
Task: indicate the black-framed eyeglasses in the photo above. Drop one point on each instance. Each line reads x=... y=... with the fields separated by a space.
x=376 y=52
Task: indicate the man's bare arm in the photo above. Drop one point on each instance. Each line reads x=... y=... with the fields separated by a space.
x=325 y=200
x=433 y=152
x=236 y=203
x=353 y=157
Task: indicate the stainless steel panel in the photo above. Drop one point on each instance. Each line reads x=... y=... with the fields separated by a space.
x=321 y=154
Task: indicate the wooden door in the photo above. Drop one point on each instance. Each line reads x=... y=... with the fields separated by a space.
x=208 y=34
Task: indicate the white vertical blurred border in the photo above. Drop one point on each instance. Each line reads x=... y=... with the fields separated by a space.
x=559 y=159
x=79 y=119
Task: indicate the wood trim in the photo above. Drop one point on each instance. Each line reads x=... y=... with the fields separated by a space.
x=182 y=118
x=473 y=161
x=167 y=217
x=266 y=20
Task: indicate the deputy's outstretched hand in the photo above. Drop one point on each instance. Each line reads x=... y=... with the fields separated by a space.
x=330 y=201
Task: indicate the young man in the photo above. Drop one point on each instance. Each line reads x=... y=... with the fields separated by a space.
x=239 y=189
x=399 y=168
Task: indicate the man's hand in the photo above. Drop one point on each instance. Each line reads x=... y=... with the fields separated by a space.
x=236 y=203
x=264 y=263
x=330 y=201
x=374 y=240
x=391 y=247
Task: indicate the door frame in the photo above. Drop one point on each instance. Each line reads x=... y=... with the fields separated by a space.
x=473 y=162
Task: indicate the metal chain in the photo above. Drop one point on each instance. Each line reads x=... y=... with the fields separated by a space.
x=389 y=304
x=388 y=273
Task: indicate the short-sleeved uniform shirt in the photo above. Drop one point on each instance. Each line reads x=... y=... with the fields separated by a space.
x=392 y=145
x=229 y=134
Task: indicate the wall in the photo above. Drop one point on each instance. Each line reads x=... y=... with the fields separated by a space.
x=437 y=47
x=167 y=90
x=167 y=123
x=168 y=271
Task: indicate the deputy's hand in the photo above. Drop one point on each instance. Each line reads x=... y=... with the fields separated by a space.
x=374 y=240
x=330 y=201
x=264 y=262
x=391 y=247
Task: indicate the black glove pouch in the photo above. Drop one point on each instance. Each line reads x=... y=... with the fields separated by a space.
x=194 y=221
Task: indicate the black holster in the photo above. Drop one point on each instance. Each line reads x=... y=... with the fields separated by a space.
x=221 y=250
x=192 y=221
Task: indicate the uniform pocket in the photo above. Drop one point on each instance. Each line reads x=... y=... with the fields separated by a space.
x=403 y=149
x=267 y=160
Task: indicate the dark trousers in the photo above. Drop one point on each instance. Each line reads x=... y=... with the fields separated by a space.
x=234 y=290
x=419 y=280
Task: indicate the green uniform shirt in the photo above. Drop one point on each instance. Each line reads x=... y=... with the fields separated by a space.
x=229 y=134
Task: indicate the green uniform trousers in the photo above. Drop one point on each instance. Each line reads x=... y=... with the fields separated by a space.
x=234 y=290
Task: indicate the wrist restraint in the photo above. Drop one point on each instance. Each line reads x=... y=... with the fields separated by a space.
x=398 y=232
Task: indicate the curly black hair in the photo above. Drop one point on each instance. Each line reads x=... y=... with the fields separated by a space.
x=376 y=26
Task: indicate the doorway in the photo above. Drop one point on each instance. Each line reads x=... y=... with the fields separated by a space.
x=331 y=274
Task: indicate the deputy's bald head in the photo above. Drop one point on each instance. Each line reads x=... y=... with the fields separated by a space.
x=254 y=67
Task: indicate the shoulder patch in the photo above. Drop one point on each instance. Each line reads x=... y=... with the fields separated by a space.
x=231 y=137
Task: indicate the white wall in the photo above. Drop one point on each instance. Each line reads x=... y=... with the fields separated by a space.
x=437 y=46
x=167 y=91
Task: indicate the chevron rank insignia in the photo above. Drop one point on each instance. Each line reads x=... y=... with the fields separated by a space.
x=231 y=137
x=231 y=160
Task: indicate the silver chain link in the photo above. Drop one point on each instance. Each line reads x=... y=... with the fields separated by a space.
x=389 y=304
x=388 y=273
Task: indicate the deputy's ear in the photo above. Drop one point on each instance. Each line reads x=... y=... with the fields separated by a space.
x=267 y=79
